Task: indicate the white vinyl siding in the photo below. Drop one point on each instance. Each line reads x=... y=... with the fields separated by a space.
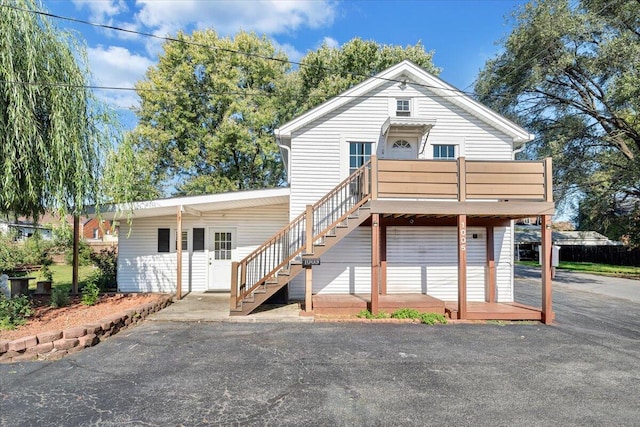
x=142 y=269
x=425 y=260
x=344 y=269
x=320 y=152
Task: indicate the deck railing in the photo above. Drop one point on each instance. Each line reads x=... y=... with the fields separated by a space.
x=277 y=253
x=462 y=179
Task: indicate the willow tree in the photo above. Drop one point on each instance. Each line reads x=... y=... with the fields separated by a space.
x=52 y=131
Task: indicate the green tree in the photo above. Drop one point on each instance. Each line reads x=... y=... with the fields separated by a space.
x=52 y=130
x=208 y=113
x=571 y=73
x=329 y=71
x=211 y=104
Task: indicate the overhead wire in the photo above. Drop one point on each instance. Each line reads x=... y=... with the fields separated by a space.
x=458 y=92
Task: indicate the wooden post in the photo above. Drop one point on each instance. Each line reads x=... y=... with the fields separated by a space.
x=462 y=179
x=383 y=257
x=547 y=312
x=490 y=289
x=548 y=179
x=233 y=300
x=375 y=261
x=179 y=254
x=76 y=254
x=462 y=266
x=374 y=177
x=308 y=273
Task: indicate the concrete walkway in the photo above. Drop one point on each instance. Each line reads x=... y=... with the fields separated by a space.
x=214 y=307
x=617 y=287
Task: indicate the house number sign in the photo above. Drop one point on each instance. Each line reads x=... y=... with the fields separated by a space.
x=308 y=262
x=462 y=238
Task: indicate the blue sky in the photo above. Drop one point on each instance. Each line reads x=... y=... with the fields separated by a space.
x=462 y=33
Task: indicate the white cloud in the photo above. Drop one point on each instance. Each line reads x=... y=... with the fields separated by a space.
x=292 y=53
x=102 y=9
x=331 y=42
x=116 y=66
x=227 y=17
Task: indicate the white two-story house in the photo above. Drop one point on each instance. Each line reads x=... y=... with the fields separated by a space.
x=402 y=193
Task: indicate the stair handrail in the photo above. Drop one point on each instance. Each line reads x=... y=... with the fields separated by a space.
x=292 y=248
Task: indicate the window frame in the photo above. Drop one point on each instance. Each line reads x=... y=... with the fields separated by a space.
x=361 y=156
x=453 y=147
x=401 y=103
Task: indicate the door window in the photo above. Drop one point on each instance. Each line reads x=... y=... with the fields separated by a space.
x=222 y=245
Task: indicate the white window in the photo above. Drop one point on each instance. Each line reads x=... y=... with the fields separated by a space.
x=444 y=152
x=359 y=154
x=403 y=107
x=96 y=233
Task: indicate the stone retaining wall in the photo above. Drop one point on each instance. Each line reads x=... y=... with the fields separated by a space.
x=54 y=345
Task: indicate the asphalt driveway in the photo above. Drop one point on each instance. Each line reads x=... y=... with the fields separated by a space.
x=584 y=370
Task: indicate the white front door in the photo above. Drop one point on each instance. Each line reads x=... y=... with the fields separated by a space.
x=402 y=148
x=222 y=251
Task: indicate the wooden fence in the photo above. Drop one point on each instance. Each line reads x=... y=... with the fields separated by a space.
x=614 y=255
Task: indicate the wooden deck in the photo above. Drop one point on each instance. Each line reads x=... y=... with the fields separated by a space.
x=351 y=304
x=494 y=311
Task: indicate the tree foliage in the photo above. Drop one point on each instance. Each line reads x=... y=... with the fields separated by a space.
x=52 y=131
x=571 y=73
x=208 y=113
x=210 y=106
x=329 y=71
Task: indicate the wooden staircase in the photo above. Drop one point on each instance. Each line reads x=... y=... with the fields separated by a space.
x=274 y=264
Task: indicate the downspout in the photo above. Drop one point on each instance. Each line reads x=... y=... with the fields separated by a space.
x=287 y=162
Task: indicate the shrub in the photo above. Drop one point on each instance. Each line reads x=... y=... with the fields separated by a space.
x=60 y=296
x=90 y=293
x=14 y=311
x=107 y=263
x=405 y=313
x=366 y=314
x=84 y=254
x=432 y=318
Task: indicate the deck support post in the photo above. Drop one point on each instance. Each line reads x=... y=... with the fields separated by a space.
x=233 y=291
x=383 y=257
x=375 y=262
x=462 y=266
x=547 y=312
x=179 y=253
x=490 y=288
x=308 y=273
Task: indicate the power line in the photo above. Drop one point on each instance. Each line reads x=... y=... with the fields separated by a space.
x=248 y=54
x=189 y=92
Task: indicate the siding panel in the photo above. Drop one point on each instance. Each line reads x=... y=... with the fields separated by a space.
x=142 y=269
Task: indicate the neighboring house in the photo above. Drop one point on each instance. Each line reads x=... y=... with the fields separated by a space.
x=94 y=230
x=25 y=227
x=401 y=187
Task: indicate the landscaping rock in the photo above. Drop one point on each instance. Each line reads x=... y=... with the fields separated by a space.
x=74 y=332
x=22 y=343
x=65 y=344
x=49 y=336
x=4 y=346
x=88 y=340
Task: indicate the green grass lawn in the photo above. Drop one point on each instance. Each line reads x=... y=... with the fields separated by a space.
x=62 y=274
x=588 y=267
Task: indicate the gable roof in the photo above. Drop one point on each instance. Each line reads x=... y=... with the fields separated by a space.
x=196 y=204
x=403 y=70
